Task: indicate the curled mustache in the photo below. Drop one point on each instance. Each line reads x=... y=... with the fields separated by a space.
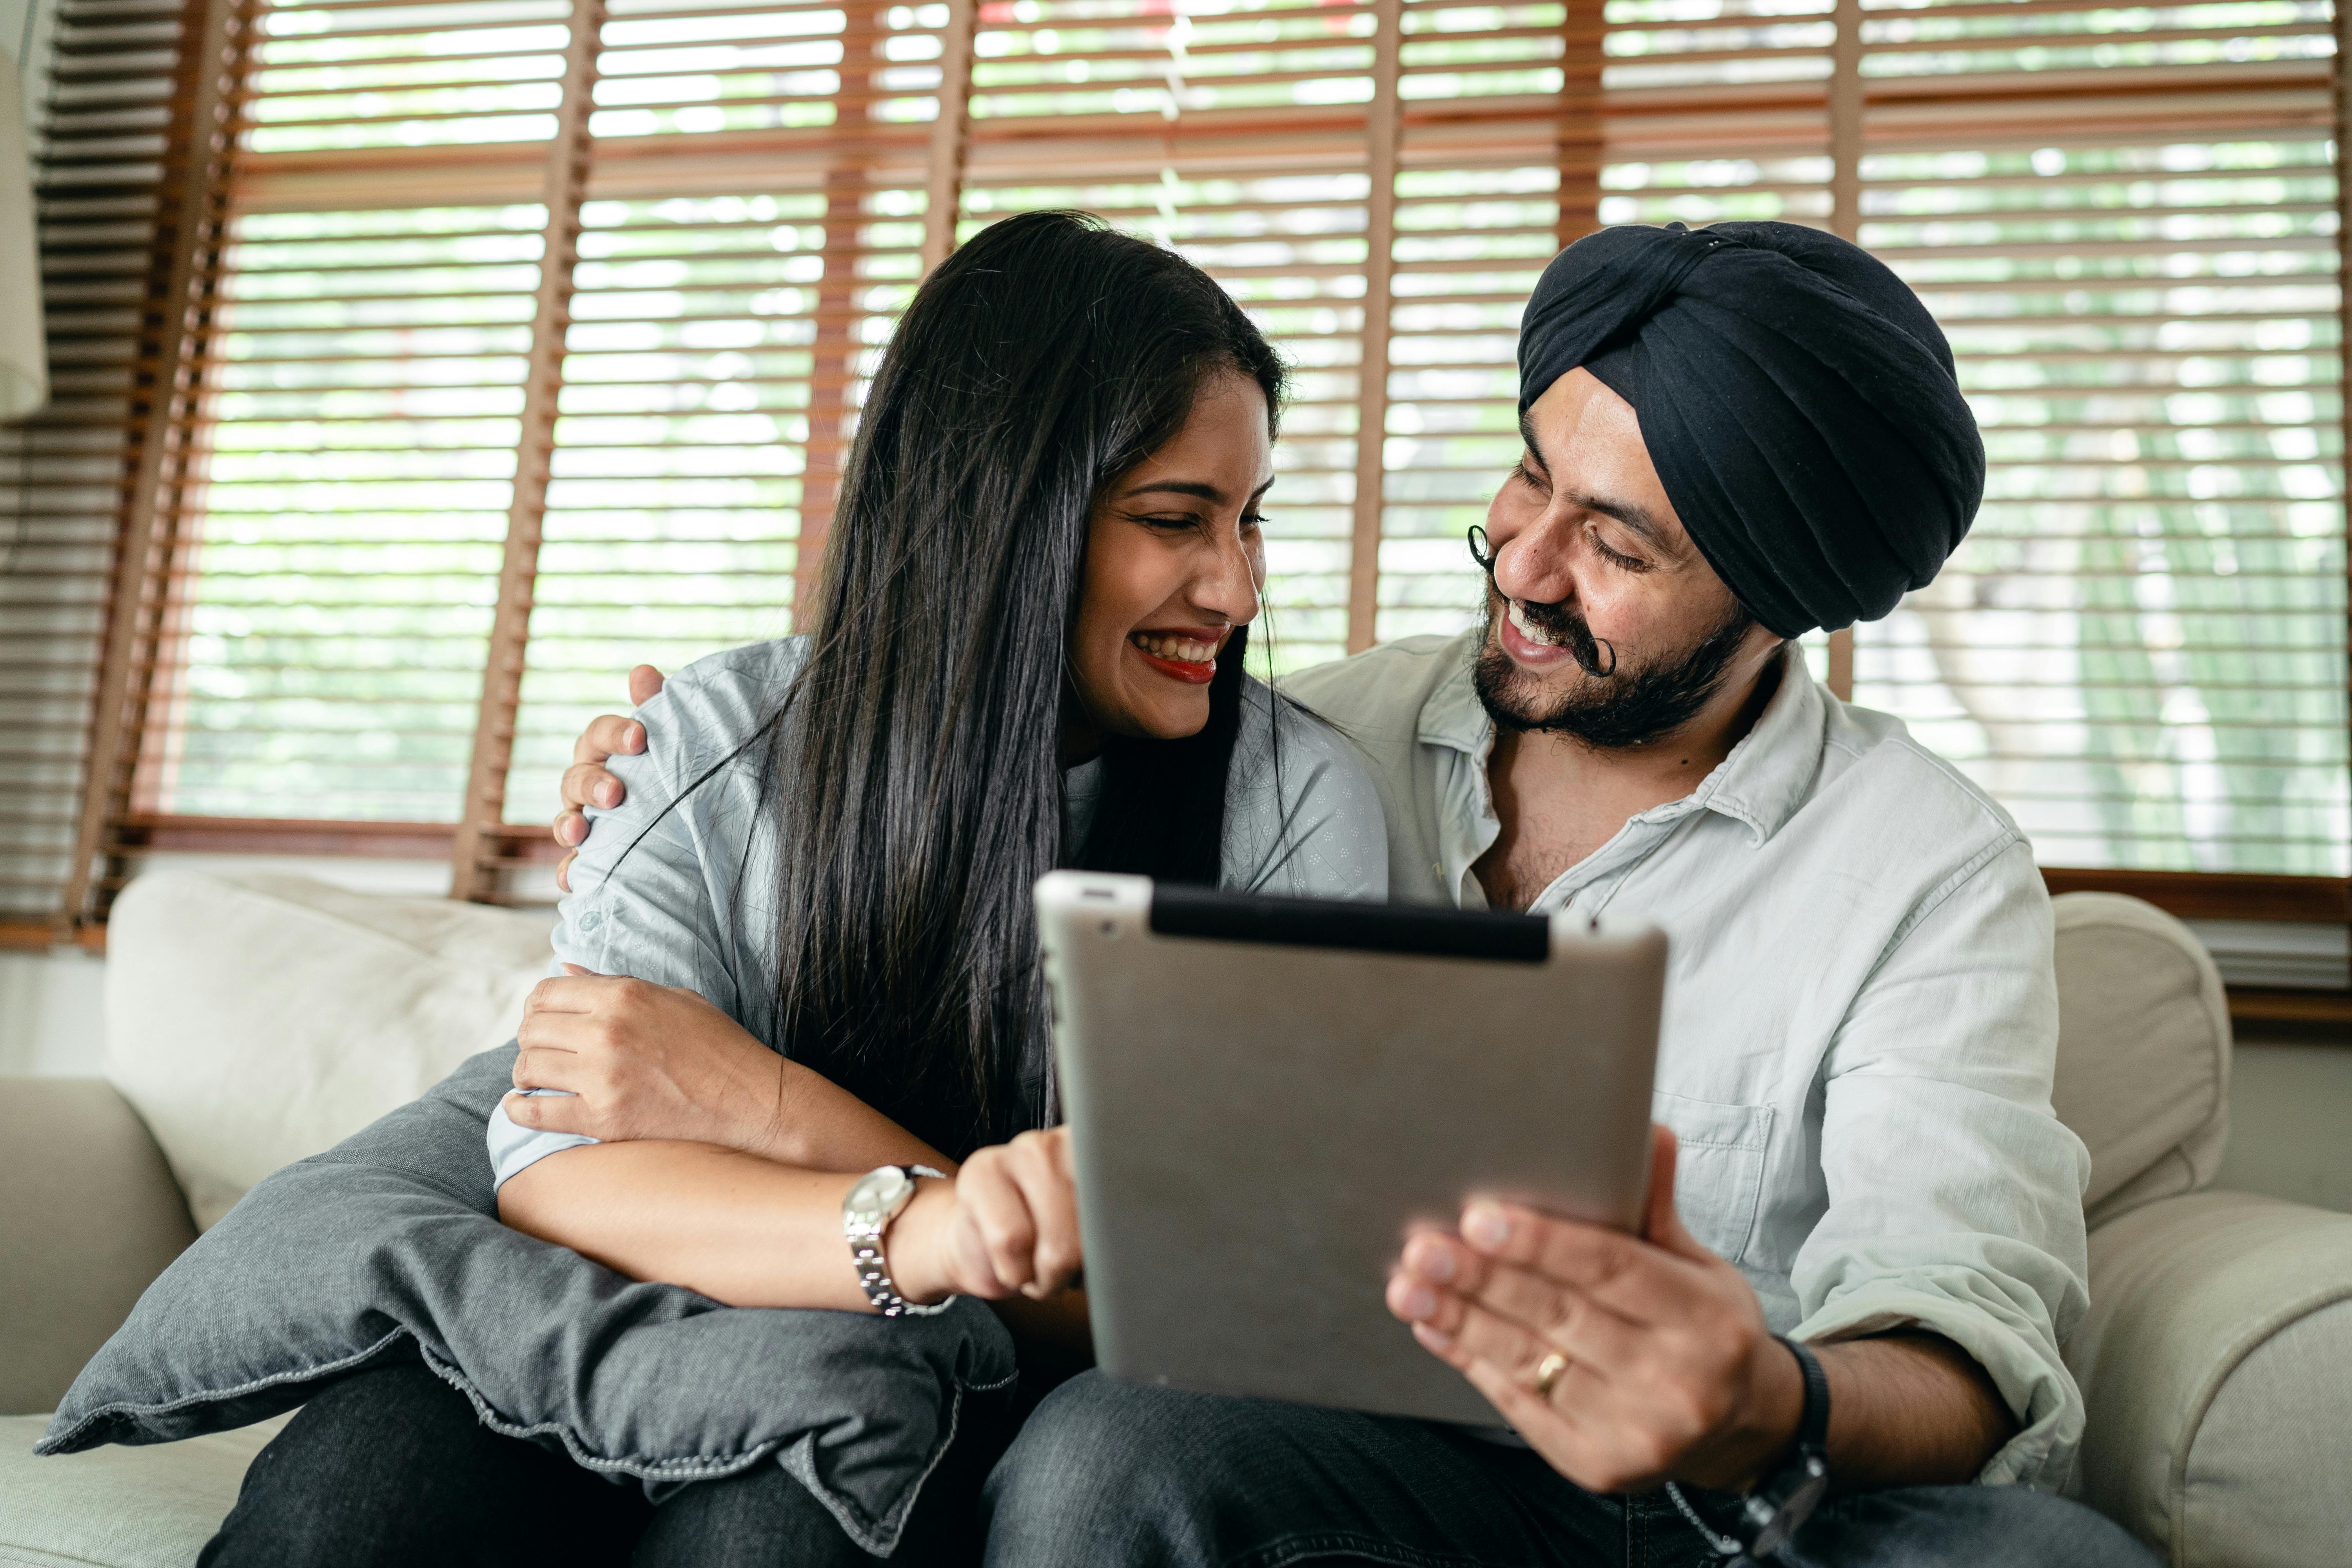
x=1558 y=622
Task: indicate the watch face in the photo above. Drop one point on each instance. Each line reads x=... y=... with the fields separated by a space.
x=1811 y=1482
x=876 y=1192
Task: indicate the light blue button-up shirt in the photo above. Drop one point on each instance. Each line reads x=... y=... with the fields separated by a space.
x=1861 y=1019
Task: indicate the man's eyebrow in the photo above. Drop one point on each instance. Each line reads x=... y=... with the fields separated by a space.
x=1527 y=435
x=1635 y=516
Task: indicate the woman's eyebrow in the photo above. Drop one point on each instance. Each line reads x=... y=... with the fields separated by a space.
x=1195 y=488
x=1198 y=488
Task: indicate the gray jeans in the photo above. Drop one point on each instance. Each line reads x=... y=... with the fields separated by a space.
x=1109 y=1476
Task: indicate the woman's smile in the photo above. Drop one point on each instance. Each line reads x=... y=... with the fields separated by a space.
x=1187 y=654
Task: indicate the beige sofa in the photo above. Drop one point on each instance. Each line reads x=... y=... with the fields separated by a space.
x=250 y=1023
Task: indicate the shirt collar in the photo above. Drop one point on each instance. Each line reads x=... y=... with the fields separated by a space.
x=1452 y=716
x=1761 y=783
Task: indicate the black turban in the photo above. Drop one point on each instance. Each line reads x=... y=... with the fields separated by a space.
x=1798 y=400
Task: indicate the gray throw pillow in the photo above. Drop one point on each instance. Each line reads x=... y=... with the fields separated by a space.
x=389 y=1245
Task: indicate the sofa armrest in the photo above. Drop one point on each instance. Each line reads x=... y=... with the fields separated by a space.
x=89 y=1216
x=2216 y=1365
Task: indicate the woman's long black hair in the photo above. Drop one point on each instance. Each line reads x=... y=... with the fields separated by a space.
x=918 y=770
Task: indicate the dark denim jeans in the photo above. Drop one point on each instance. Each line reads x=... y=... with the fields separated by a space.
x=1109 y=1476
x=390 y=1470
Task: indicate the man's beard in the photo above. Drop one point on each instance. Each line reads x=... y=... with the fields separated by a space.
x=1631 y=706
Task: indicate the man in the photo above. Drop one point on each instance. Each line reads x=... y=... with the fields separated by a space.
x=1732 y=437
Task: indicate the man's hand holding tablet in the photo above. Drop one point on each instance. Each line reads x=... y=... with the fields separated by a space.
x=1669 y=1370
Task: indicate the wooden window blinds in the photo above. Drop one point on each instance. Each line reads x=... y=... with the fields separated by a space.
x=459 y=355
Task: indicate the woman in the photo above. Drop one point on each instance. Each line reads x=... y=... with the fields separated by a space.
x=804 y=949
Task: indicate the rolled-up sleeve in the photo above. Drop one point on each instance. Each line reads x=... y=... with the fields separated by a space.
x=1955 y=1193
x=643 y=902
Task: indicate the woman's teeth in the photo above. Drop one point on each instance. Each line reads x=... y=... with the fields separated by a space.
x=1527 y=628
x=1182 y=649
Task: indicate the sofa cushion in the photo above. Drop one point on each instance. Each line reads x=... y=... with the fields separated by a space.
x=89 y=1216
x=118 y=1508
x=256 y=1021
x=2216 y=1366
x=2143 y=1050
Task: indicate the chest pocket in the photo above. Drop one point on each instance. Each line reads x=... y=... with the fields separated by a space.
x=1719 y=1168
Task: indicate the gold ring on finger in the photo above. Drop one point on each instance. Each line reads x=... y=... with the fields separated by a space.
x=1548 y=1372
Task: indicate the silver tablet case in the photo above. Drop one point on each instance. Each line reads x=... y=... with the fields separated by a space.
x=1257 y=1125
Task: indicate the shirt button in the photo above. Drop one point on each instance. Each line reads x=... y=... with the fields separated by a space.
x=592 y=920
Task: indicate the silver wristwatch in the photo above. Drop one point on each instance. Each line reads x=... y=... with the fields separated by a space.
x=874 y=1200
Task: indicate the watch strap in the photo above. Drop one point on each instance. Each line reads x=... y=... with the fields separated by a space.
x=866 y=1254
x=1813 y=1425
x=1786 y=1498
x=1789 y=1493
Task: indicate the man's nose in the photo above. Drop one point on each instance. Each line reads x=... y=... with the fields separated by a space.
x=1531 y=563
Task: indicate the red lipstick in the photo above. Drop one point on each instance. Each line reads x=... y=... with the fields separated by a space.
x=1191 y=674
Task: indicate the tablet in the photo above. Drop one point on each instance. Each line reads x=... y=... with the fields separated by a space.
x=1266 y=1095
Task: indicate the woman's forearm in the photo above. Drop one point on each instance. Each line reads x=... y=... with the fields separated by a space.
x=735 y=1228
x=820 y=1126
x=640 y=1062
x=752 y=1233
